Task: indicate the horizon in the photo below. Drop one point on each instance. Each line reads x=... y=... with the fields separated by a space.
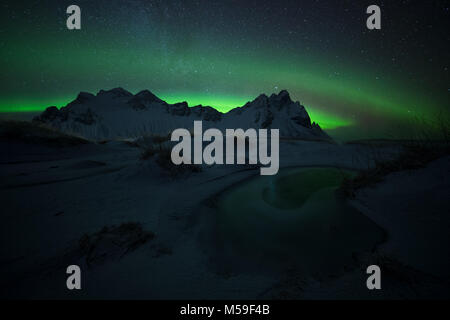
x=346 y=76
x=326 y=120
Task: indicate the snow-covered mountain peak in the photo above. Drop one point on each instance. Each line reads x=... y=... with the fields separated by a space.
x=115 y=93
x=117 y=113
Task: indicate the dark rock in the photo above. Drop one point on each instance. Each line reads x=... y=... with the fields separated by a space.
x=147 y=96
x=267 y=120
x=116 y=93
x=88 y=117
x=179 y=109
x=51 y=114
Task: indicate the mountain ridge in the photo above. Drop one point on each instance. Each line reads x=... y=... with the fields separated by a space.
x=117 y=113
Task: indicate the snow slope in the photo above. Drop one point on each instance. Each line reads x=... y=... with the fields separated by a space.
x=52 y=196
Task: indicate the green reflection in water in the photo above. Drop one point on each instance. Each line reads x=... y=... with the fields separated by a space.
x=294 y=219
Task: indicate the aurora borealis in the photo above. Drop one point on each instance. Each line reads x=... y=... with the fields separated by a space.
x=225 y=53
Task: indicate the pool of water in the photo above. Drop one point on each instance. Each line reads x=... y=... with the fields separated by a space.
x=292 y=219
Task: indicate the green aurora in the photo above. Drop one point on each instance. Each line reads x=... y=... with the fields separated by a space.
x=307 y=80
x=50 y=65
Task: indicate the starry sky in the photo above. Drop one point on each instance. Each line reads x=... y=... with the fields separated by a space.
x=353 y=81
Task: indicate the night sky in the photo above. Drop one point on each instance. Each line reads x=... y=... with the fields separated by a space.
x=224 y=53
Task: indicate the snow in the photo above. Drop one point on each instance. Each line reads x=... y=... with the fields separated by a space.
x=409 y=206
x=49 y=204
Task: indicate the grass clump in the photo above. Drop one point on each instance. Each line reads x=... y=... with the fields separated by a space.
x=164 y=160
x=159 y=148
x=415 y=155
x=148 y=152
x=113 y=242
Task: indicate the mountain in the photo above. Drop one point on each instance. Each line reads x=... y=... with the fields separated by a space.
x=118 y=113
